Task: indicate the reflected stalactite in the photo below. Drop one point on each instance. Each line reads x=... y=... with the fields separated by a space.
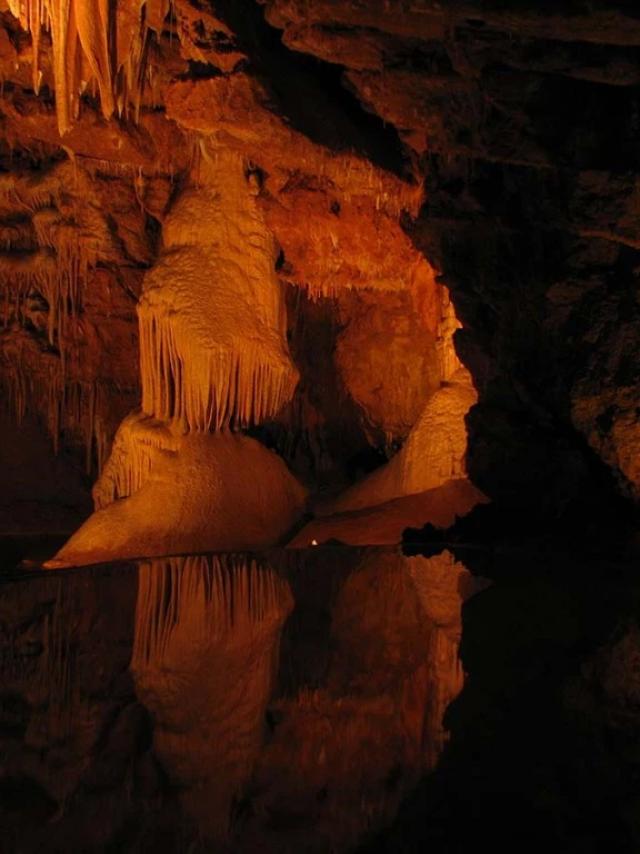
x=204 y=662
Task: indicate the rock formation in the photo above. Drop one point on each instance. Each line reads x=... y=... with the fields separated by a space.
x=212 y=355
x=389 y=178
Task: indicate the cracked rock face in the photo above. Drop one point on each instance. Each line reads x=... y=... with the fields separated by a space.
x=401 y=156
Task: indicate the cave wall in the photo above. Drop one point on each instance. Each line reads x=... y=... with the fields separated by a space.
x=399 y=152
x=523 y=119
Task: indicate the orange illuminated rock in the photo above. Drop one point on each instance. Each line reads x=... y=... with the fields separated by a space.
x=393 y=149
x=212 y=346
x=82 y=35
x=332 y=244
x=193 y=493
x=387 y=357
x=384 y=524
x=433 y=453
x=212 y=354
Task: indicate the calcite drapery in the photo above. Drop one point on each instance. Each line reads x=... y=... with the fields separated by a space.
x=189 y=493
x=212 y=321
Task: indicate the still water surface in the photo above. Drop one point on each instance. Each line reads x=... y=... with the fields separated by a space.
x=279 y=702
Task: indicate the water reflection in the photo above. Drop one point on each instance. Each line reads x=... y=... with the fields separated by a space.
x=285 y=702
x=204 y=661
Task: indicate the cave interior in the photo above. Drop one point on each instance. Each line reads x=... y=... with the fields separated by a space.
x=320 y=320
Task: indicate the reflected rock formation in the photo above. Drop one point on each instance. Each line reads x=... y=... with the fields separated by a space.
x=204 y=662
x=72 y=734
x=265 y=761
x=279 y=703
x=349 y=746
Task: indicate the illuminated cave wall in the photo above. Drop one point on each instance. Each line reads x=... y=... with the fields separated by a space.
x=410 y=164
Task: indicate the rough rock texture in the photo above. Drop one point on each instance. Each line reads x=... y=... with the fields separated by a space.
x=102 y=199
x=396 y=150
x=390 y=377
x=523 y=119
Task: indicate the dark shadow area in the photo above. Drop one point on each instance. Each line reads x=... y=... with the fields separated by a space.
x=543 y=752
x=309 y=93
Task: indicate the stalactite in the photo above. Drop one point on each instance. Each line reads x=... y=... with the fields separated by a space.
x=69 y=247
x=79 y=408
x=205 y=388
x=76 y=253
x=92 y=20
x=41 y=395
x=57 y=277
x=81 y=38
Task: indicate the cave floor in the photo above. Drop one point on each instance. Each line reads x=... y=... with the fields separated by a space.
x=324 y=699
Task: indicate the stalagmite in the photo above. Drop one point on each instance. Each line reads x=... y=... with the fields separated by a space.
x=425 y=482
x=433 y=454
x=189 y=493
x=138 y=442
